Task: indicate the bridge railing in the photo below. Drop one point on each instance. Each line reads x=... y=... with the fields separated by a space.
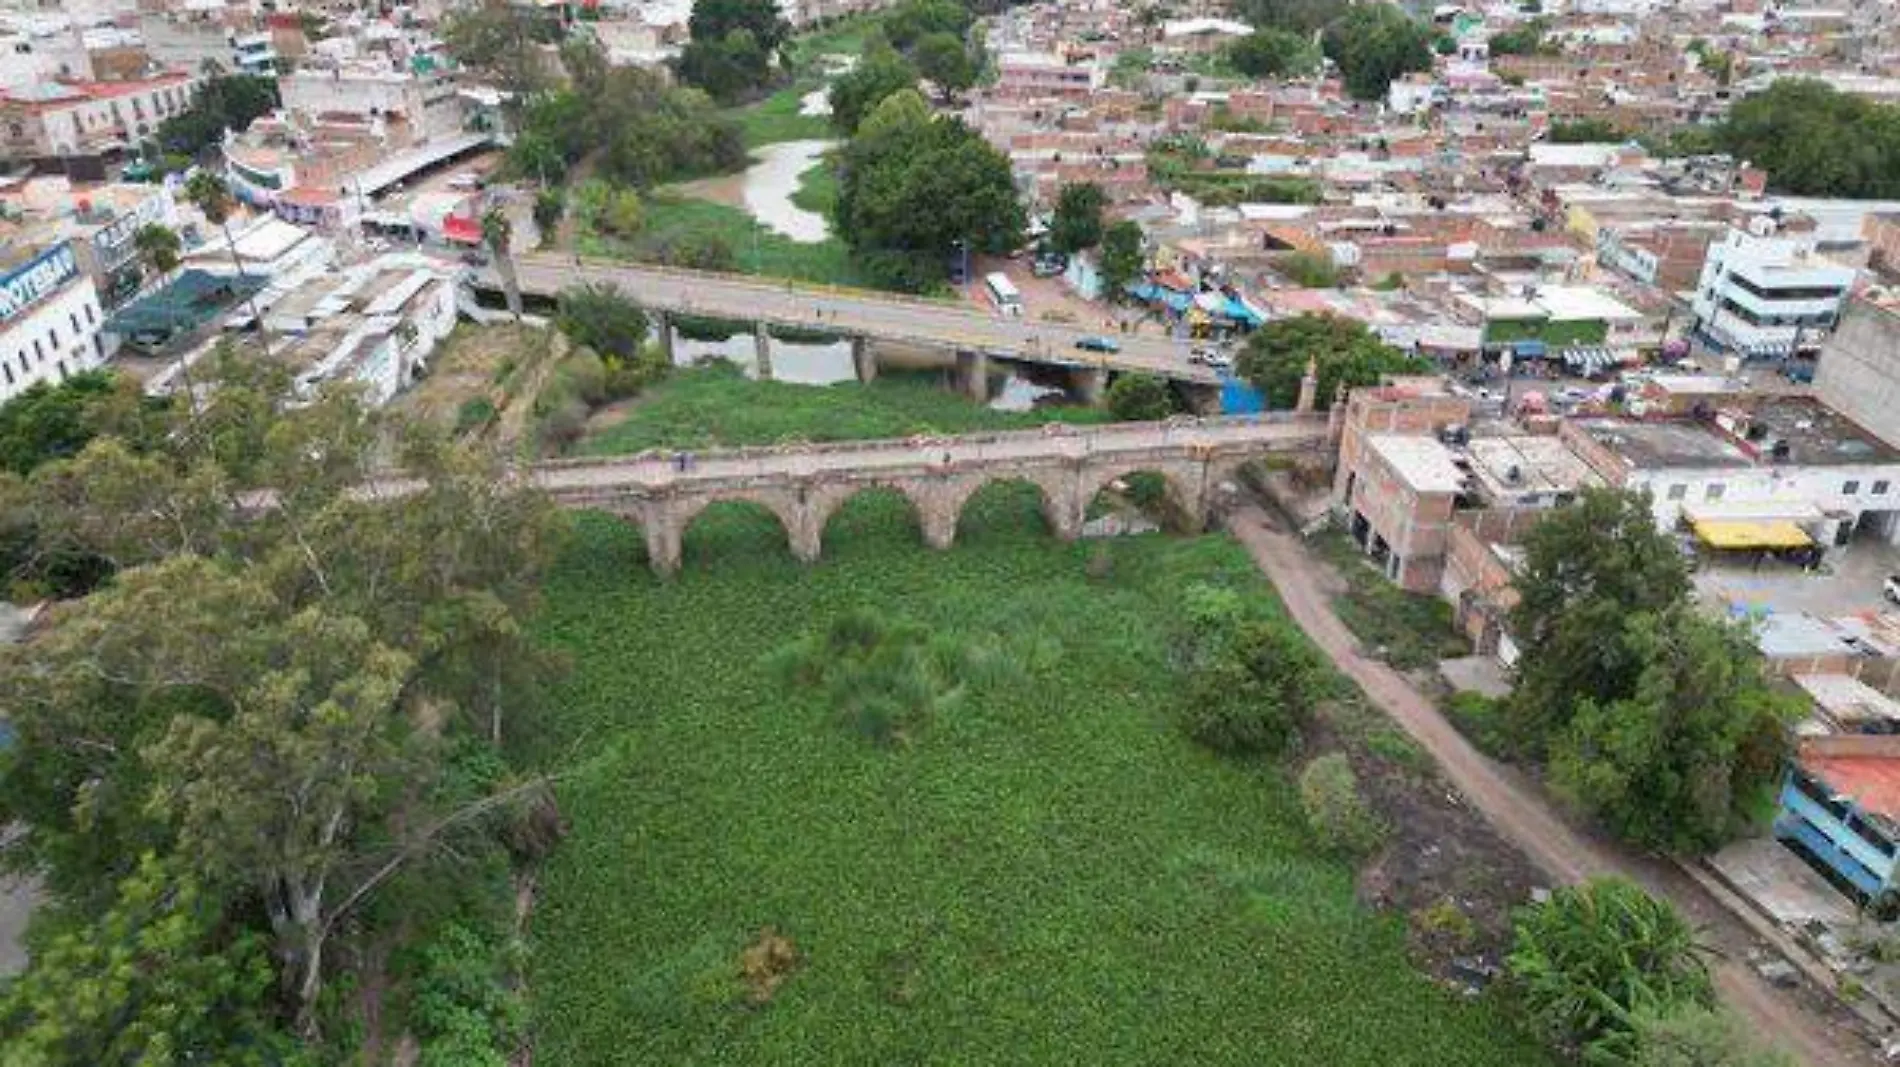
x=1169 y=431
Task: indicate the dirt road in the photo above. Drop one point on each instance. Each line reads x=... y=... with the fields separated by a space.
x=1521 y=812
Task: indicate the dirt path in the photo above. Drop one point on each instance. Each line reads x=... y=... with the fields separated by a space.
x=1522 y=813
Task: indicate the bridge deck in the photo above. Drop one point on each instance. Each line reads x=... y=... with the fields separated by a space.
x=664 y=470
x=858 y=312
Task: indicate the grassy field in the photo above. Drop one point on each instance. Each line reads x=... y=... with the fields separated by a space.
x=755 y=248
x=776 y=117
x=1047 y=874
x=716 y=406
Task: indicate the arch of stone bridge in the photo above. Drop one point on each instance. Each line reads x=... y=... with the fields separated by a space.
x=1183 y=478
x=1060 y=507
x=783 y=502
x=823 y=502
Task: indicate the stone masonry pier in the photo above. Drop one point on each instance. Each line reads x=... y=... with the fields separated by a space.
x=803 y=485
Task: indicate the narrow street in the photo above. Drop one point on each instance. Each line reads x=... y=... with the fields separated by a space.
x=1520 y=811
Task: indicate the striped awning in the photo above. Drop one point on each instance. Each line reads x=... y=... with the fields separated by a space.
x=1589 y=361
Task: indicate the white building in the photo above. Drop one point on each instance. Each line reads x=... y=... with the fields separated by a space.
x=1762 y=296
x=67 y=118
x=49 y=321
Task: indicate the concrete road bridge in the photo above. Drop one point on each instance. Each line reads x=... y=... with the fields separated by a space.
x=804 y=485
x=977 y=336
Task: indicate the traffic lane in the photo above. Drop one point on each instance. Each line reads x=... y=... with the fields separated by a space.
x=953 y=325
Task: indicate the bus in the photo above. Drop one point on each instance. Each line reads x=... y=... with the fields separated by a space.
x=1003 y=293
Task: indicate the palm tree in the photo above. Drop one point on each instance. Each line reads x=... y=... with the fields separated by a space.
x=498 y=234
x=158 y=250
x=208 y=193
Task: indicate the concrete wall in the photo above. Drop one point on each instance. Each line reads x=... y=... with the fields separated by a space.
x=1859 y=372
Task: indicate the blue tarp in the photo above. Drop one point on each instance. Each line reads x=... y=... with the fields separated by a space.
x=1176 y=302
x=1239 y=398
x=1238 y=310
x=1148 y=291
x=1527 y=349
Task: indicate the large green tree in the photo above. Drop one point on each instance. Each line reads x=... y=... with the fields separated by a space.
x=945 y=61
x=1122 y=257
x=1077 y=223
x=908 y=23
x=1586 y=567
x=1140 y=398
x=912 y=188
x=856 y=93
x=1814 y=140
x=1294 y=16
x=732 y=46
x=1345 y=351
x=1589 y=958
x=1374 y=44
x=224 y=102
x=1690 y=757
x=1654 y=718
x=1273 y=53
x=267 y=685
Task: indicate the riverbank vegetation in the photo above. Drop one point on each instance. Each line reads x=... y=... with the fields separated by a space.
x=718 y=407
x=770 y=863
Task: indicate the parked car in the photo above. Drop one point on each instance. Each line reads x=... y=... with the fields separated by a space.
x=1208 y=356
x=1098 y=344
x=1891 y=587
x=1050 y=265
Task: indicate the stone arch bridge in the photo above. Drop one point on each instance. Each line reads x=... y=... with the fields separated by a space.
x=803 y=485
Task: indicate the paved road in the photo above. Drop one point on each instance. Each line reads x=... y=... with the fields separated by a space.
x=909 y=453
x=1521 y=812
x=856 y=311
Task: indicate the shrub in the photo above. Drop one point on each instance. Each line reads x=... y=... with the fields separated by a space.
x=1140 y=398
x=602 y=318
x=474 y=413
x=462 y=1010
x=587 y=374
x=1250 y=682
x=1592 y=954
x=1329 y=792
x=1481 y=719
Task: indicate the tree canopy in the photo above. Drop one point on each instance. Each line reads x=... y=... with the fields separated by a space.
x=1140 y=398
x=1374 y=44
x=267 y=694
x=1653 y=718
x=908 y=23
x=504 y=41
x=1347 y=353
x=911 y=188
x=223 y=102
x=1122 y=257
x=1293 y=16
x=1078 y=218
x=944 y=59
x=732 y=46
x=856 y=93
x=1814 y=140
x=1273 y=53
x=642 y=131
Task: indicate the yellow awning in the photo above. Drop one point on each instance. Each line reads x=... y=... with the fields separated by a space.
x=1751 y=533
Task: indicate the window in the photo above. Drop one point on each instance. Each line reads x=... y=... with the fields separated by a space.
x=1851 y=487
x=1677 y=492
x=61 y=367
x=1714 y=491
x=74 y=315
x=52 y=337
x=8 y=367
x=89 y=316
x=23 y=369
x=1880 y=488
x=39 y=354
